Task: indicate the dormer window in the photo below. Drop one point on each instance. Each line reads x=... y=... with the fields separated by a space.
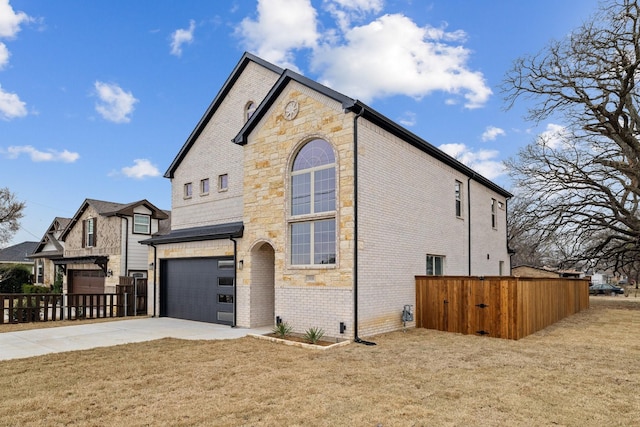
x=141 y=224
x=249 y=109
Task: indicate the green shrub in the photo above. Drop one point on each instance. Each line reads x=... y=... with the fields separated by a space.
x=57 y=284
x=35 y=289
x=12 y=277
x=313 y=335
x=282 y=329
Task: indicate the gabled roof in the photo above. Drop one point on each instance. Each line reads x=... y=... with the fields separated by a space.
x=222 y=94
x=355 y=106
x=278 y=87
x=108 y=209
x=18 y=253
x=348 y=104
x=58 y=224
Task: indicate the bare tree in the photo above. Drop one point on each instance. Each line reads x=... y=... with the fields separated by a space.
x=528 y=241
x=11 y=211
x=583 y=182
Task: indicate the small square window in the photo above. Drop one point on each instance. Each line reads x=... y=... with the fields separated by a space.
x=188 y=190
x=223 y=182
x=204 y=186
x=435 y=265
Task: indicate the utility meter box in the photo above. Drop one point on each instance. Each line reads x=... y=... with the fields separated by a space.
x=407 y=313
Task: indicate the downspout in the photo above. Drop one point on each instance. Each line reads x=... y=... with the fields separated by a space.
x=506 y=232
x=469 y=219
x=155 y=284
x=355 y=231
x=235 y=276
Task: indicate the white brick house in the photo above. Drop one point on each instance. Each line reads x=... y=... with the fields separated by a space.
x=296 y=203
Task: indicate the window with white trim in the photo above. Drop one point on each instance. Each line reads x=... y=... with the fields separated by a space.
x=141 y=224
x=223 y=182
x=458 y=198
x=312 y=220
x=204 y=186
x=494 y=221
x=89 y=233
x=188 y=190
x=249 y=109
x=435 y=265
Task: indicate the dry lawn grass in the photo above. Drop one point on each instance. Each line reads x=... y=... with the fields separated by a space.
x=582 y=371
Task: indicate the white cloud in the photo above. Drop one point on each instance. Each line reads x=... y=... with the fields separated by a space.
x=141 y=169
x=36 y=155
x=180 y=37
x=11 y=106
x=346 y=11
x=4 y=55
x=554 y=136
x=10 y=20
x=492 y=132
x=281 y=26
x=408 y=119
x=409 y=60
x=115 y=104
x=481 y=161
x=391 y=55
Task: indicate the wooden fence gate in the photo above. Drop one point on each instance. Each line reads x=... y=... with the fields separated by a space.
x=502 y=306
x=136 y=290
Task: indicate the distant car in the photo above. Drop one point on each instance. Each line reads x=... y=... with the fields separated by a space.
x=605 y=289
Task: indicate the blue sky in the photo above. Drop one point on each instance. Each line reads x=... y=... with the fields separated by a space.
x=97 y=97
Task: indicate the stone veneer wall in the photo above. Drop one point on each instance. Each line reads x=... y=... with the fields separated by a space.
x=304 y=297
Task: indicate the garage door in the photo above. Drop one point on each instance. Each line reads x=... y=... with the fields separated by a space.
x=86 y=281
x=199 y=289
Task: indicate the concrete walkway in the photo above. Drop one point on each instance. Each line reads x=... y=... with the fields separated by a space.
x=35 y=342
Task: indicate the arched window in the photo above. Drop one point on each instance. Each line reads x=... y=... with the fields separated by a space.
x=313 y=205
x=249 y=109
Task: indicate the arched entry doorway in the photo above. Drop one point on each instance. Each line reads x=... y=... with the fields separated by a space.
x=262 y=286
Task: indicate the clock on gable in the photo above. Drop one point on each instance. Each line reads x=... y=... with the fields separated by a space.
x=291 y=110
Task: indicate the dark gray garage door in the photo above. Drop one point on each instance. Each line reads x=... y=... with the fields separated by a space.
x=198 y=289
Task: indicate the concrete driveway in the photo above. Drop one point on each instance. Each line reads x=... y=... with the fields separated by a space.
x=35 y=342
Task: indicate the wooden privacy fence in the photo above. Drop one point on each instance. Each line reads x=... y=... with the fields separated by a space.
x=501 y=307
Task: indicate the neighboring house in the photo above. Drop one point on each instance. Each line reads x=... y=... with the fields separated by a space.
x=292 y=202
x=48 y=249
x=530 y=271
x=101 y=243
x=19 y=254
x=601 y=277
